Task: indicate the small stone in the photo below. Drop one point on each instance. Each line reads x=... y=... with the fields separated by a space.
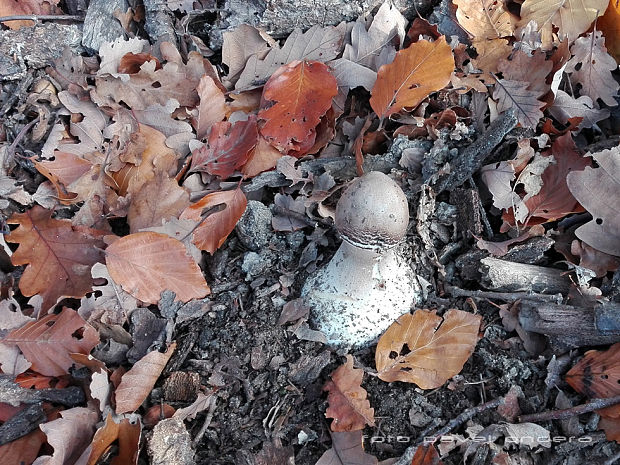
x=254 y=227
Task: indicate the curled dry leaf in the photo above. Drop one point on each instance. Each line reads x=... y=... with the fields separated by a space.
x=598 y=190
x=213 y=230
x=347 y=449
x=301 y=92
x=138 y=382
x=348 y=405
x=125 y=432
x=69 y=435
x=48 y=342
x=610 y=25
x=426 y=455
x=27 y=7
x=416 y=71
x=263 y=157
x=59 y=255
x=229 y=147
x=427 y=349
x=147 y=263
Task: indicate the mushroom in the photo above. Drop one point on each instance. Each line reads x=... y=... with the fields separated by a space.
x=367 y=285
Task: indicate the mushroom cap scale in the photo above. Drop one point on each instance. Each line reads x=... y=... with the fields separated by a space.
x=373 y=212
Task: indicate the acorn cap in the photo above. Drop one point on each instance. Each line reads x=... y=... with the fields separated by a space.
x=373 y=212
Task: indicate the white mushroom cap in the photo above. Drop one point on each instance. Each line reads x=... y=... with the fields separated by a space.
x=373 y=212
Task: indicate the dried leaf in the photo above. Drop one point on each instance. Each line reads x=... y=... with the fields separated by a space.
x=485 y=19
x=301 y=93
x=609 y=23
x=228 y=148
x=533 y=69
x=565 y=107
x=593 y=259
x=347 y=449
x=147 y=263
x=426 y=454
x=125 y=432
x=555 y=199
x=63 y=171
x=416 y=71
x=215 y=228
x=112 y=53
x=591 y=66
x=212 y=108
x=239 y=45
x=348 y=405
x=598 y=190
x=263 y=157
x=69 y=435
x=47 y=342
x=138 y=382
x=160 y=199
x=514 y=94
x=59 y=255
x=572 y=17
x=427 y=349
x=317 y=43
x=498 y=178
x=23 y=450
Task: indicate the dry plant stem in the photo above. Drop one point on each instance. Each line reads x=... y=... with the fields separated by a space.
x=505 y=296
x=36 y=18
x=207 y=422
x=594 y=404
x=468 y=414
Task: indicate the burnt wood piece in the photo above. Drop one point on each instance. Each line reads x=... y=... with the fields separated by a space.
x=505 y=276
x=569 y=327
x=100 y=25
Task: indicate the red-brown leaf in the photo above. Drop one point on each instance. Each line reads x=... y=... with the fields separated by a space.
x=138 y=382
x=302 y=92
x=59 y=255
x=228 y=148
x=216 y=227
x=47 y=343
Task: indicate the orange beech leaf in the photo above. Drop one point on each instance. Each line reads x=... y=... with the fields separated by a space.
x=59 y=255
x=212 y=108
x=147 y=263
x=215 y=228
x=348 y=405
x=426 y=455
x=138 y=382
x=416 y=71
x=347 y=449
x=301 y=92
x=262 y=158
x=427 y=349
x=48 y=342
x=228 y=148
x=597 y=375
x=127 y=435
x=156 y=413
x=32 y=380
x=609 y=23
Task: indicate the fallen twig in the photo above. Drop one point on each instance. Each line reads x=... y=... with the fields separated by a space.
x=468 y=414
x=591 y=406
x=36 y=18
x=505 y=296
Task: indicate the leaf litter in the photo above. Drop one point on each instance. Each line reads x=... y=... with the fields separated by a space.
x=169 y=172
